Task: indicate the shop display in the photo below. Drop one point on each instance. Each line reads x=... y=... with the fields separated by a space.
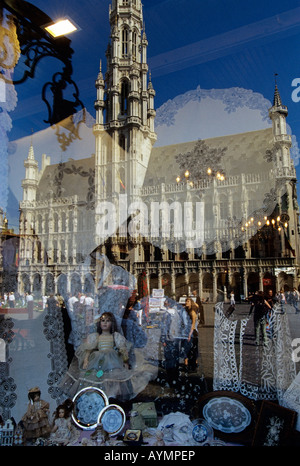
x=145 y=224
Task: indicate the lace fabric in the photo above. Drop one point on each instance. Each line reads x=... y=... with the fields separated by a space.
x=267 y=372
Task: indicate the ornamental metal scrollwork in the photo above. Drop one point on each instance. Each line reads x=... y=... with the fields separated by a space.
x=27 y=35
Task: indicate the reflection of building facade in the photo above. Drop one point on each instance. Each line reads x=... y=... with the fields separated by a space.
x=61 y=207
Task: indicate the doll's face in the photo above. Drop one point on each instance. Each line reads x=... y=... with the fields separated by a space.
x=61 y=413
x=105 y=323
x=36 y=397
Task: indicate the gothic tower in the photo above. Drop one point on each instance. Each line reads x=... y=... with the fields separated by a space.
x=27 y=211
x=124 y=128
x=285 y=174
x=30 y=182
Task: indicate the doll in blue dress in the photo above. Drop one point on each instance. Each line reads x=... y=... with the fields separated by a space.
x=102 y=361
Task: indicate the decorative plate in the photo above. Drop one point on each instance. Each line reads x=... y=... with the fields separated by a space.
x=227 y=415
x=202 y=432
x=88 y=403
x=112 y=418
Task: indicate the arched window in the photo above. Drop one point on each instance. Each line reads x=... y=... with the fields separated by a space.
x=134 y=45
x=122 y=142
x=125 y=35
x=124 y=98
x=55 y=222
x=63 y=221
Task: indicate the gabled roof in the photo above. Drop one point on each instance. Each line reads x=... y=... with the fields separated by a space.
x=245 y=154
x=74 y=177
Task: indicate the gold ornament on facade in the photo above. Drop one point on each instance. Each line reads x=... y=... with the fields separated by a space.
x=9 y=43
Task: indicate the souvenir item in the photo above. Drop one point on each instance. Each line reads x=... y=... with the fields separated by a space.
x=147 y=411
x=107 y=360
x=227 y=415
x=112 y=418
x=88 y=403
x=133 y=437
x=36 y=419
x=202 y=432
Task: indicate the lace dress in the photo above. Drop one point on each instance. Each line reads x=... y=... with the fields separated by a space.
x=63 y=431
x=106 y=369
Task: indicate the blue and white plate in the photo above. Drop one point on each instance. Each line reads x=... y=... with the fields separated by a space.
x=112 y=418
x=202 y=432
x=88 y=403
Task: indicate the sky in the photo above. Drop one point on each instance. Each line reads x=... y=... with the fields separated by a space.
x=215 y=60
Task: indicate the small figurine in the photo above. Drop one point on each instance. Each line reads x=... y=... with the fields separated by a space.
x=99 y=437
x=62 y=429
x=36 y=419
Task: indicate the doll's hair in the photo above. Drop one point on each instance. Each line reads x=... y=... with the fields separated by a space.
x=32 y=393
x=63 y=407
x=111 y=317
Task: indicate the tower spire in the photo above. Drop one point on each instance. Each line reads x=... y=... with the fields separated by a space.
x=277 y=103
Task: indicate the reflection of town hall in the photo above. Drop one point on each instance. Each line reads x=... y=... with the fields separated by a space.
x=250 y=214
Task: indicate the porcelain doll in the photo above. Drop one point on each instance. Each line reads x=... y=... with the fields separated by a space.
x=62 y=429
x=36 y=419
x=102 y=362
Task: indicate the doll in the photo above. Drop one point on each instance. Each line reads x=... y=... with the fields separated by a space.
x=36 y=419
x=102 y=362
x=100 y=437
x=62 y=429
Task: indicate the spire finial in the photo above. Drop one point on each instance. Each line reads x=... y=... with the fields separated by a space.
x=277 y=100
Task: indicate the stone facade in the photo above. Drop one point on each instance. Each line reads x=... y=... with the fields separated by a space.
x=242 y=186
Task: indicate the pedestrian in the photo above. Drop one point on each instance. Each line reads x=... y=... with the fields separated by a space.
x=271 y=300
x=11 y=299
x=191 y=345
x=232 y=299
x=260 y=306
x=171 y=334
x=296 y=300
x=201 y=320
x=30 y=305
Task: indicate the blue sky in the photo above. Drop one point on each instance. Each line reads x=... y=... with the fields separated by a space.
x=211 y=44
